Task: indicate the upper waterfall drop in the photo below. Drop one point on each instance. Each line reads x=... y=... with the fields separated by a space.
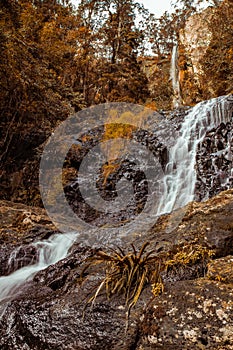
x=174 y=73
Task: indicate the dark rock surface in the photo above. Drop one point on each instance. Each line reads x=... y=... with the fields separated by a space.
x=195 y=311
x=214 y=162
x=20 y=179
x=214 y=170
x=19 y=171
x=190 y=315
x=154 y=141
x=20 y=226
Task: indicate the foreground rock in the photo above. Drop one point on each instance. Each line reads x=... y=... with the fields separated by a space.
x=194 y=312
x=190 y=315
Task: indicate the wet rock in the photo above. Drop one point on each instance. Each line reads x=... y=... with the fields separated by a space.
x=158 y=140
x=194 y=312
x=207 y=223
x=189 y=315
x=52 y=318
x=21 y=256
x=20 y=227
x=214 y=162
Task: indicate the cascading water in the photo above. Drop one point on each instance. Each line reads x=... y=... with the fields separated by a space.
x=180 y=177
x=179 y=185
x=174 y=72
x=50 y=252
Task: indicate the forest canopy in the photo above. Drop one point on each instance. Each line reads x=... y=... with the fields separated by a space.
x=56 y=59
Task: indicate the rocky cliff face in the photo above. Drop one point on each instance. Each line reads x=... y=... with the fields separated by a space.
x=195 y=37
x=194 y=311
x=194 y=40
x=205 y=53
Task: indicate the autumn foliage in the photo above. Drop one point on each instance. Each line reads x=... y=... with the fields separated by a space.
x=56 y=60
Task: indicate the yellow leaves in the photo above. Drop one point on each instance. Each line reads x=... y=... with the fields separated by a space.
x=189 y=255
x=151 y=105
x=123 y=124
x=29 y=18
x=50 y=36
x=230 y=54
x=117 y=128
x=157 y=288
x=49 y=30
x=83 y=30
x=71 y=35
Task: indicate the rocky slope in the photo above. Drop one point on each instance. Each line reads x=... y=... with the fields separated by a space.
x=192 y=309
x=195 y=311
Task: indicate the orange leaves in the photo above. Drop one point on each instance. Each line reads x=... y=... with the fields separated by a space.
x=39 y=43
x=83 y=30
x=230 y=54
x=151 y=105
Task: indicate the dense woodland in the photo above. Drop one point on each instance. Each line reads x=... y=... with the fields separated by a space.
x=56 y=59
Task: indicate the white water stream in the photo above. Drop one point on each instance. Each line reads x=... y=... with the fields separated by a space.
x=174 y=73
x=50 y=252
x=179 y=183
x=180 y=178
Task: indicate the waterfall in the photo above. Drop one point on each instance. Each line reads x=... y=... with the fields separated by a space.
x=179 y=185
x=180 y=176
x=50 y=252
x=174 y=72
